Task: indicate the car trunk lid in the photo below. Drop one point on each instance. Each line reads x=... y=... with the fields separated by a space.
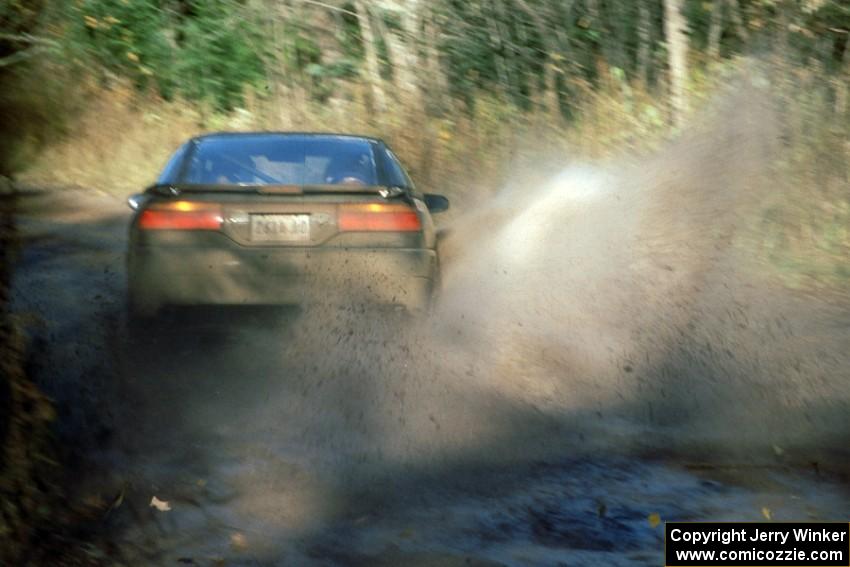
x=309 y=216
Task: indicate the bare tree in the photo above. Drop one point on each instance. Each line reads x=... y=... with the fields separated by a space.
x=550 y=65
x=435 y=80
x=22 y=46
x=737 y=19
x=715 y=29
x=403 y=48
x=592 y=7
x=373 y=67
x=645 y=41
x=675 y=27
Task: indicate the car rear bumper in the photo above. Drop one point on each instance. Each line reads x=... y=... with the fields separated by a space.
x=192 y=276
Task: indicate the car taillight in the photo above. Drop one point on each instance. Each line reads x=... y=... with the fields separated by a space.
x=378 y=217
x=181 y=215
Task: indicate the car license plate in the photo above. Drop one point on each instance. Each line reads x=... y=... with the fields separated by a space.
x=280 y=228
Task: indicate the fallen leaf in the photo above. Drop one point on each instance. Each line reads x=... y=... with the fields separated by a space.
x=654 y=520
x=160 y=505
x=238 y=541
x=765 y=511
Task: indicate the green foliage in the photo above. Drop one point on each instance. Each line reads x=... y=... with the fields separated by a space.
x=18 y=16
x=484 y=52
x=348 y=34
x=218 y=55
x=214 y=50
x=209 y=52
x=304 y=51
x=127 y=37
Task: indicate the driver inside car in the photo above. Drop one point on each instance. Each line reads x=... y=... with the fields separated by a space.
x=220 y=173
x=349 y=170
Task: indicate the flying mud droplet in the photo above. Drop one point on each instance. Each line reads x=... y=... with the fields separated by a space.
x=161 y=505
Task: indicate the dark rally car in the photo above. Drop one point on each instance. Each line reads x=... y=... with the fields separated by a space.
x=282 y=218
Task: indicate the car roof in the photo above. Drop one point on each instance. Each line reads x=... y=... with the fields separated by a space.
x=213 y=135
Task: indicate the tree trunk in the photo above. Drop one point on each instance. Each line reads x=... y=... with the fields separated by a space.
x=645 y=41
x=737 y=19
x=841 y=80
x=373 y=67
x=593 y=13
x=436 y=83
x=550 y=96
x=675 y=27
x=403 y=49
x=715 y=29
x=497 y=44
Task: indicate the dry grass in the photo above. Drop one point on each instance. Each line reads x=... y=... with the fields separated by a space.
x=122 y=139
x=803 y=229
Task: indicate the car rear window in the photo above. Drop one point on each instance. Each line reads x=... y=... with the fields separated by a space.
x=395 y=172
x=281 y=160
x=172 y=168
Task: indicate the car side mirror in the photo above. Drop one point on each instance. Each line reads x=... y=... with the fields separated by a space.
x=136 y=200
x=436 y=203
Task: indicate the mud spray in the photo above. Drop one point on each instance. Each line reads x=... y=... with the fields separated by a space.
x=608 y=313
x=607 y=309
x=625 y=299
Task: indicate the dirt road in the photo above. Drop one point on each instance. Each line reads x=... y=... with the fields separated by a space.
x=280 y=437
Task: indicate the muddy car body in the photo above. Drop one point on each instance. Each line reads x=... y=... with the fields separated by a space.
x=282 y=218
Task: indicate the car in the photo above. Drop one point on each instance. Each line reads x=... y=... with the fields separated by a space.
x=272 y=218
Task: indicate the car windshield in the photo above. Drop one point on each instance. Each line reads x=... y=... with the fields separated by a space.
x=268 y=159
